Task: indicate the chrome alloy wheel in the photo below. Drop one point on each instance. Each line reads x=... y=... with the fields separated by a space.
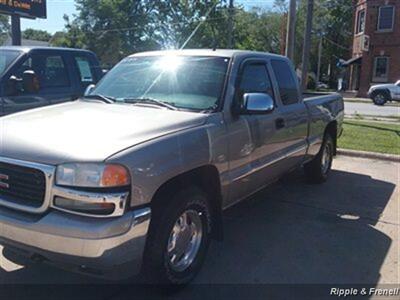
x=326 y=158
x=185 y=240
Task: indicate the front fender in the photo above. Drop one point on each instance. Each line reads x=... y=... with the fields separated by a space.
x=155 y=162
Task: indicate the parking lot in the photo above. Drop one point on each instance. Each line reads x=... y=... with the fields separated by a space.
x=343 y=232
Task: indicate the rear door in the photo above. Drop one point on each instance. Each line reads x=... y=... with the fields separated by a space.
x=293 y=114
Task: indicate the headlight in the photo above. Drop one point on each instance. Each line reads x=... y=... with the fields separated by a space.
x=92 y=175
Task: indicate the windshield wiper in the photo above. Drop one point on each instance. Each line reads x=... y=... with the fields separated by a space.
x=150 y=101
x=106 y=99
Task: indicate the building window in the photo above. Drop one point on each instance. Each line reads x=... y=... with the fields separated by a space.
x=360 y=21
x=381 y=69
x=386 y=18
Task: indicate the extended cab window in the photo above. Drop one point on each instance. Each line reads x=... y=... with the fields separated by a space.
x=286 y=82
x=84 y=68
x=55 y=72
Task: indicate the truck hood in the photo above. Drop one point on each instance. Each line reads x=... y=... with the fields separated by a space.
x=86 y=131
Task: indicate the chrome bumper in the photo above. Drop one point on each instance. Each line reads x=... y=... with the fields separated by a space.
x=76 y=242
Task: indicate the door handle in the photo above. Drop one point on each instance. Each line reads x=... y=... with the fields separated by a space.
x=279 y=123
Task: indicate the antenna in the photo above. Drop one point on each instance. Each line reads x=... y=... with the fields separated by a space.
x=202 y=20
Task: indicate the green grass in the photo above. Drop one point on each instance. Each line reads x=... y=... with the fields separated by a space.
x=371 y=136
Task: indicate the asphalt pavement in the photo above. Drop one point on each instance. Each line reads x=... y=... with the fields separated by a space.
x=345 y=231
x=369 y=109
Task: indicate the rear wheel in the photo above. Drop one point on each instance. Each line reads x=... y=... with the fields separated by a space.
x=178 y=239
x=380 y=98
x=318 y=169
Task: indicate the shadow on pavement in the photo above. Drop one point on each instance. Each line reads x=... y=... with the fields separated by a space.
x=289 y=233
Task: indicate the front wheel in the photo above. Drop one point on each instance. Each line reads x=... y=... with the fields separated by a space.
x=380 y=98
x=178 y=238
x=318 y=169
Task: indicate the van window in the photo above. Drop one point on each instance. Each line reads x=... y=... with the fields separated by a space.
x=286 y=82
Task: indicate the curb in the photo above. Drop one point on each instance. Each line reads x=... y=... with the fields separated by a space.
x=371 y=155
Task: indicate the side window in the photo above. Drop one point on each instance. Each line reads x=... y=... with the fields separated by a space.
x=84 y=69
x=55 y=73
x=286 y=82
x=255 y=79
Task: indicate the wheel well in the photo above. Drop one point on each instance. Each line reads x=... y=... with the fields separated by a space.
x=331 y=129
x=206 y=178
x=382 y=91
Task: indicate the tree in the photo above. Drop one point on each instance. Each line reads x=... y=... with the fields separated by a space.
x=4 y=28
x=72 y=37
x=34 y=34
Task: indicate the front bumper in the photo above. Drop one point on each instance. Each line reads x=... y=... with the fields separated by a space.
x=109 y=247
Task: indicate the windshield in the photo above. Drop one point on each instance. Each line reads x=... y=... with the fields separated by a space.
x=6 y=58
x=398 y=83
x=186 y=82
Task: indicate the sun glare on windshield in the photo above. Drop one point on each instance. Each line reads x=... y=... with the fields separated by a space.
x=169 y=63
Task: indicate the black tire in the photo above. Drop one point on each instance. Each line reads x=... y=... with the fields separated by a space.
x=318 y=169
x=380 y=97
x=157 y=266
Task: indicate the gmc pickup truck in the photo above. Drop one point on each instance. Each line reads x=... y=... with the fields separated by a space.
x=135 y=176
x=31 y=77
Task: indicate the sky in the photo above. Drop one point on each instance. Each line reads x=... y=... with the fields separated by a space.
x=57 y=8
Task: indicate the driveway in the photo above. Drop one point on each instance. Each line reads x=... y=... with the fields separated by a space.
x=352 y=108
x=345 y=231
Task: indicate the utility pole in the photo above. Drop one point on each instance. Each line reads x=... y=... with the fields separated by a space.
x=16 y=30
x=319 y=60
x=291 y=30
x=307 y=44
x=230 y=24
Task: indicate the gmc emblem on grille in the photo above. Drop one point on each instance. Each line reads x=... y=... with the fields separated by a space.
x=3 y=184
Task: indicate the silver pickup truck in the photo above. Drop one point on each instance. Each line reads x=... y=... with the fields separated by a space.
x=135 y=175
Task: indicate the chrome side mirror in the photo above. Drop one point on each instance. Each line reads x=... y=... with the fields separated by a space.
x=89 y=89
x=258 y=103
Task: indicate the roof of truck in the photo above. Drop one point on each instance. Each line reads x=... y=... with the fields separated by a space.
x=204 y=52
x=30 y=48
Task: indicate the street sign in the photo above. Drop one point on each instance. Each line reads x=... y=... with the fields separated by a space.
x=24 y=8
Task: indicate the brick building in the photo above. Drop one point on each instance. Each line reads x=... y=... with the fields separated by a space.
x=376 y=44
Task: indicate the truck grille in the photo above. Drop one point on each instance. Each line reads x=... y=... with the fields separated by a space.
x=22 y=185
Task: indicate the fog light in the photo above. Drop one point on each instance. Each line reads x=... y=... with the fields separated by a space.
x=95 y=208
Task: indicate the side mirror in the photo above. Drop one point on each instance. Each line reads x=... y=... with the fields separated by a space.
x=12 y=86
x=89 y=89
x=30 y=81
x=258 y=103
